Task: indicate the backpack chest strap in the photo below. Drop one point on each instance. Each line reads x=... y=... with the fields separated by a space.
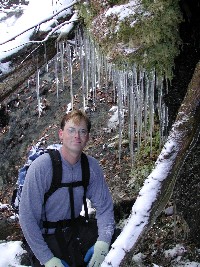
x=55 y=187
x=56 y=184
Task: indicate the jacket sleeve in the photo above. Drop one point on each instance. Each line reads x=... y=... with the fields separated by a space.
x=100 y=197
x=31 y=204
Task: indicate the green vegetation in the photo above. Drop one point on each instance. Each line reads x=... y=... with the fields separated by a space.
x=147 y=36
x=144 y=162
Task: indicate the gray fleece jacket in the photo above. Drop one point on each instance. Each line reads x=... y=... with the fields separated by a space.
x=38 y=181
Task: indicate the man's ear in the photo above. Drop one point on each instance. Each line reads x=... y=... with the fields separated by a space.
x=60 y=133
x=88 y=137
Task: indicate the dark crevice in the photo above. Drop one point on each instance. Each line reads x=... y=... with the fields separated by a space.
x=188 y=58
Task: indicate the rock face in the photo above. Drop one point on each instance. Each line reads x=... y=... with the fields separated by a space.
x=187 y=193
x=21 y=125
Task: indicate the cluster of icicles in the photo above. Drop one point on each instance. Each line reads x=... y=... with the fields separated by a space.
x=133 y=89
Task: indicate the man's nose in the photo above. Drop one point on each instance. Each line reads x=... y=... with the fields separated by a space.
x=77 y=133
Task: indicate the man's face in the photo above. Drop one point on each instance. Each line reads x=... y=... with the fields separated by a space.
x=74 y=136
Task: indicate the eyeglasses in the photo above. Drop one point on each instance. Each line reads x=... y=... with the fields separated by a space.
x=72 y=131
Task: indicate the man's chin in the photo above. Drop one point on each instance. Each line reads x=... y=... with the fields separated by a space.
x=77 y=148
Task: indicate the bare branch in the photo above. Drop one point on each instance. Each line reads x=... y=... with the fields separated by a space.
x=47 y=37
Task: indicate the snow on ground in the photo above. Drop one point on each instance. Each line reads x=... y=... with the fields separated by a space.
x=10 y=254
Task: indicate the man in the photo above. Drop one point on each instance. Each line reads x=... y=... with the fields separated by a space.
x=74 y=135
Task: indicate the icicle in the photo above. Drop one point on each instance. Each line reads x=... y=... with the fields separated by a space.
x=75 y=43
x=151 y=112
x=62 y=52
x=138 y=109
x=99 y=70
x=114 y=86
x=109 y=70
x=160 y=111
x=56 y=70
x=45 y=58
x=70 y=78
x=166 y=115
x=82 y=70
x=88 y=67
x=126 y=87
x=38 y=90
x=141 y=104
x=120 y=109
x=132 y=115
x=106 y=73
x=102 y=70
x=146 y=106
x=123 y=87
x=86 y=62
x=93 y=72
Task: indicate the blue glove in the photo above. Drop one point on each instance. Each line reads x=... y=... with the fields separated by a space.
x=89 y=254
x=64 y=263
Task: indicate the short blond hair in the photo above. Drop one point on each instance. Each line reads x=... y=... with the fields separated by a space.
x=76 y=115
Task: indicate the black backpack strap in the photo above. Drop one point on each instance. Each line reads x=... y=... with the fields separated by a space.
x=85 y=170
x=85 y=178
x=57 y=183
x=57 y=173
x=85 y=182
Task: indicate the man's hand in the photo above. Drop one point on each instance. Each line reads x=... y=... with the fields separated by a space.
x=54 y=262
x=100 y=251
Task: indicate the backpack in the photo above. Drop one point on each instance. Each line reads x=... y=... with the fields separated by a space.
x=34 y=153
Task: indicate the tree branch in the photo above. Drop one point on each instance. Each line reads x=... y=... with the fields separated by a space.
x=36 y=25
x=48 y=35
